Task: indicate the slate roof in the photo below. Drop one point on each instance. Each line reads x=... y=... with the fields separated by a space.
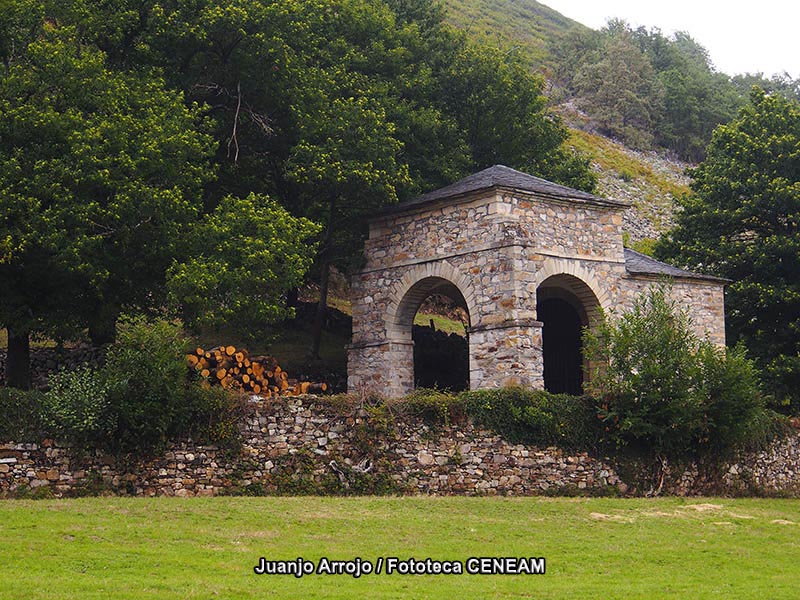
x=500 y=176
x=637 y=263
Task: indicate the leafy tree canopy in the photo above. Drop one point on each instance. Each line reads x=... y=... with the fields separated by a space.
x=743 y=222
x=244 y=255
x=647 y=88
x=99 y=172
x=150 y=114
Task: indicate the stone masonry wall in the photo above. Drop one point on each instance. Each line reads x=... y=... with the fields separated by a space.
x=291 y=432
x=497 y=249
x=304 y=444
x=45 y=361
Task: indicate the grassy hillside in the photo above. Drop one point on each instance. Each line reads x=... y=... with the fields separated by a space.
x=524 y=23
x=650 y=181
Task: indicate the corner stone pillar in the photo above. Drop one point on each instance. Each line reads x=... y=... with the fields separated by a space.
x=506 y=353
x=385 y=367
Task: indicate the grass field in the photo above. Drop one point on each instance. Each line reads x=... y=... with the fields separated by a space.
x=207 y=548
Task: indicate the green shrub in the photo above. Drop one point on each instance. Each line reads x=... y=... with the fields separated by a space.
x=661 y=391
x=149 y=389
x=783 y=377
x=76 y=407
x=434 y=406
x=535 y=417
x=731 y=399
x=20 y=415
x=141 y=397
x=214 y=416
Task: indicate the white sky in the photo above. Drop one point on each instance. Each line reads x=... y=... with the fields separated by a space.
x=758 y=35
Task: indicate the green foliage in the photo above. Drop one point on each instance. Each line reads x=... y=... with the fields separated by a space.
x=99 y=172
x=21 y=418
x=731 y=396
x=741 y=223
x=500 y=108
x=76 y=407
x=148 y=386
x=434 y=406
x=663 y=392
x=214 y=417
x=782 y=84
x=246 y=255
x=140 y=398
x=533 y=416
x=620 y=90
x=695 y=98
x=125 y=122
x=645 y=246
x=646 y=88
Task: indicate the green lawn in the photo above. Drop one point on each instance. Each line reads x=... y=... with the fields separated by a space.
x=207 y=548
x=440 y=323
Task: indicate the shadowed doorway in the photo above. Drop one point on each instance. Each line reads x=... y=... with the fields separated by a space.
x=565 y=305
x=561 y=346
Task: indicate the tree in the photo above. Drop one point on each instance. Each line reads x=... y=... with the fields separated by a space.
x=335 y=108
x=501 y=110
x=742 y=222
x=695 y=98
x=645 y=87
x=243 y=257
x=620 y=90
x=779 y=83
x=99 y=172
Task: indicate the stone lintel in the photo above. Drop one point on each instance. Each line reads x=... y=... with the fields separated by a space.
x=508 y=324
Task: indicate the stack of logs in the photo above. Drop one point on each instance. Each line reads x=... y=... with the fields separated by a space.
x=234 y=369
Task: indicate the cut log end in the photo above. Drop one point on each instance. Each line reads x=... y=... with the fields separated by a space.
x=234 y=369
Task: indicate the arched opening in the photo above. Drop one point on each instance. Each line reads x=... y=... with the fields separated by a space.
x=565 y=305
x=434 y=314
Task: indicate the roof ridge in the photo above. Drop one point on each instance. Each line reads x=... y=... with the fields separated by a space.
x=503 y=176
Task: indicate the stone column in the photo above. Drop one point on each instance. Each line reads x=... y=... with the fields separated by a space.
x=386 y=368
x=506 y=353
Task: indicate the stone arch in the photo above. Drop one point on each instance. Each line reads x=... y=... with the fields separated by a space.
x=565 y=304
x=429 y=360
x=586 y=281
x=416 y=285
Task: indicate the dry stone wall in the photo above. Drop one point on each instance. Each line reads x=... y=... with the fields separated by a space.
x=306 y=445
x=45 y=361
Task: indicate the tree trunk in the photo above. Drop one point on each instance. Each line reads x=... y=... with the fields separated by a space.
x=18 y=359
x=324 y=257
x=322 y=309
x=293 y=297
x=103 y=326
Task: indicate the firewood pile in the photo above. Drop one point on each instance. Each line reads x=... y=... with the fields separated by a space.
x=234 y=369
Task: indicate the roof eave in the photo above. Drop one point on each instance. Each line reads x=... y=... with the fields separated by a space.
x=687 y=277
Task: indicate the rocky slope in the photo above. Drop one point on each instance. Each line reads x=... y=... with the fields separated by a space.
x=650 y=181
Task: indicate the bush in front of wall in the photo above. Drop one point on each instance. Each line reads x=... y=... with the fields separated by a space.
x=663 y=392
x=141 y=397
x=535 y=417
x=76 y=407
x=21 y=415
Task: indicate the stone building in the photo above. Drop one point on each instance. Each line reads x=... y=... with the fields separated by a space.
x=531 y=262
